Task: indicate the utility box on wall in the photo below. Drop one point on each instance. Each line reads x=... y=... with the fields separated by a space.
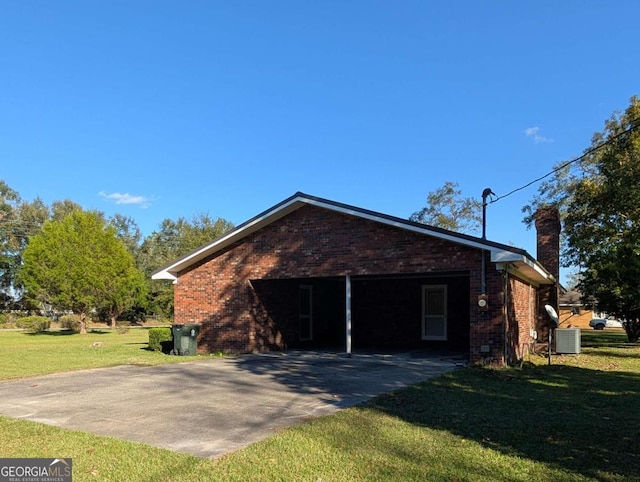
x=568 y=340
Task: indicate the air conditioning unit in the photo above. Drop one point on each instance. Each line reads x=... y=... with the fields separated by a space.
x=568 y=340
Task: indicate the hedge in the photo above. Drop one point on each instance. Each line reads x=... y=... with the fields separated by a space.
x=7 y=320
x=158 y=338
x=34 y=324
x=70 y=322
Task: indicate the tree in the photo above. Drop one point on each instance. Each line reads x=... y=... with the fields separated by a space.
x=77 y=263
x=61 y=209
x=566 y=175
x=18 y=221
x=127 y=290
x=31 y=216
x=446 y=208
x=9 y=201
x=128 y=231
x=602 y=220
x=172 y=240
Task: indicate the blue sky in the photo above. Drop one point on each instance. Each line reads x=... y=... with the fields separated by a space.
x=165 y=109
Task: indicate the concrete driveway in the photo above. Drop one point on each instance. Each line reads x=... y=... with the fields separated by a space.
x=210 y=407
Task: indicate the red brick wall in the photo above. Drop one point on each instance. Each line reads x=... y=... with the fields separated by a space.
x=522 y=308
x=487 y=327
x=315 y=242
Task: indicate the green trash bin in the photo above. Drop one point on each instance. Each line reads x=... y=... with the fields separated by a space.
x=185 y=339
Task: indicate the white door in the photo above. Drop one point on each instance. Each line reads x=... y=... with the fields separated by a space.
x=434 y=312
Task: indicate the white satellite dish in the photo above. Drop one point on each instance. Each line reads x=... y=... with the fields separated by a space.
x=552 y=313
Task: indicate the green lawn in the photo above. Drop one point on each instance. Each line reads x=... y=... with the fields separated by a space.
x=576 y=420
x=25 y=354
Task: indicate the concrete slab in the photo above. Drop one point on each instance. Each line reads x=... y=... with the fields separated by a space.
x=211 y=407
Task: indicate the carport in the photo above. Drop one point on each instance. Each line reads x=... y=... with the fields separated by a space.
x=384 y=312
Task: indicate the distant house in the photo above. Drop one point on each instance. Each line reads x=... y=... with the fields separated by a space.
x=313 y=273
x=576 y=313
x=573 y=312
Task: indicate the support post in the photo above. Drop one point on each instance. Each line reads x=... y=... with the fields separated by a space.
x=348 y=314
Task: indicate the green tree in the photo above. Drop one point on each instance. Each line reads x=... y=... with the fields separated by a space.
x=130 y=234
x=129 y=289
x=602 y=220
x=31 y=216
x=559 y=187
x=173 y=240
x=128 y=231
x=61 y=209
x=9 y=227
x=446 y=208
x=78 y=264
x=18 y=220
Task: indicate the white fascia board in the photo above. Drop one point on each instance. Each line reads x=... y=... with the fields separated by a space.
x=525 y=265
x=170 y=272
x=540 y=270
x=398 y=224
x=537 y=267
x=252 y=225
x=503 y=256
x=532 y=269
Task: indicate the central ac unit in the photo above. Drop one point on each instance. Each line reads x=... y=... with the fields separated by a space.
x=568 y=340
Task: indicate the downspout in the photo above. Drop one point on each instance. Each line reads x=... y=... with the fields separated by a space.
x=348 y=314
x=483 y=280
x=505 y=313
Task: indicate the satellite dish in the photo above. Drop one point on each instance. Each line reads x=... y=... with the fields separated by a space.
x=552 y=313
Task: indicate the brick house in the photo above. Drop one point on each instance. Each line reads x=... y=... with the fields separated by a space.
x=314 y=273
x=573 y=312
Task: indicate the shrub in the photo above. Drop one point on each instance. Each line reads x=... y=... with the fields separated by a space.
x=70 y=322
x=7 y=320
x=122 y=327
x=34 y=324
x=160 y=339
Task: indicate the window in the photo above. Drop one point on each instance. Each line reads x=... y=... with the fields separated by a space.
x=434 y=312
x=306 y=312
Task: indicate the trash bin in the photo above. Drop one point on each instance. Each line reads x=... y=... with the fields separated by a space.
x=185 y=339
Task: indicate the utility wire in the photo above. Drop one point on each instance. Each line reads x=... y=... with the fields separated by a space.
x=634 y=125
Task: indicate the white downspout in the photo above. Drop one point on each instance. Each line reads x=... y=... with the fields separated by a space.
x=505 y=316
x=348 y=314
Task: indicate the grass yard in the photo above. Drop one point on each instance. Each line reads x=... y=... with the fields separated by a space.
x=26 y=354
x=576 y=420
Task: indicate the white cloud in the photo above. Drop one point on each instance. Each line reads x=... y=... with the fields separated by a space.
x=126 y=198
x=531 y=131
x=534 y=133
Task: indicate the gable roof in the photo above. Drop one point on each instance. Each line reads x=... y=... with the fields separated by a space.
x=524 y=263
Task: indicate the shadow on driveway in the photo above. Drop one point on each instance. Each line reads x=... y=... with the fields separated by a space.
x=211 y=407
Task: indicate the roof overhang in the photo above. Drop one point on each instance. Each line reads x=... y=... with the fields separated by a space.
x=500 y=253
x=525 y=265
x=171 y=271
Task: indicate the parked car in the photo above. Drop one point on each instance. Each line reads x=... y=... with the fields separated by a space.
x=602 y=323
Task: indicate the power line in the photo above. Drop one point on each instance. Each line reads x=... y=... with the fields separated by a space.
x=634 y=125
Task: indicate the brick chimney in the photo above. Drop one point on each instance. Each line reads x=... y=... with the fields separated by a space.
x=547 y=220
